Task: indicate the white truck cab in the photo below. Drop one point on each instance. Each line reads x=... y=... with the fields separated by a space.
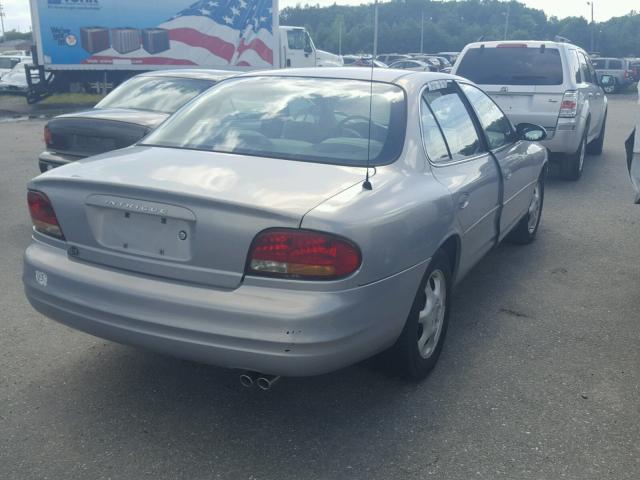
x=298 y=51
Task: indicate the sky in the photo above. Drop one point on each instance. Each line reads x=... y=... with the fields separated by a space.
x=17 y=14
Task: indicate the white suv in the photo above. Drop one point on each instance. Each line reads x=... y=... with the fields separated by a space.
x=545 y=83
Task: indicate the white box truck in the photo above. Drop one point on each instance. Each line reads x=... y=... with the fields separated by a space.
x=85 y=41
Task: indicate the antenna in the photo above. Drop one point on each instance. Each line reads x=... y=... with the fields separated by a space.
x=367 y=183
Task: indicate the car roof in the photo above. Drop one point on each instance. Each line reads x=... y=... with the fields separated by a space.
x=193 y=73
x=388 y=75
x=529 y=43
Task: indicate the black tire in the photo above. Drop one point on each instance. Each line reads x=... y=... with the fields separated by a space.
x=526 y=230
x=596 y=147
x=405 y=356
x=572 y=165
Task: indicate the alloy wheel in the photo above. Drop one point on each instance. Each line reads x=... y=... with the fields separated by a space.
x=432 y=314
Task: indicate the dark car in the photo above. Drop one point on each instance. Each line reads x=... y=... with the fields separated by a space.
x=124 y=116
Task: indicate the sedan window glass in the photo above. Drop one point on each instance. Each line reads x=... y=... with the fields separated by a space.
x=495 y=124
x=308 y=119
x=455 y=121
x=432 y=137
x=159 y=94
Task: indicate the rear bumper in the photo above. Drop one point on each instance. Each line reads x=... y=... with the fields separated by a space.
x=270 y=330
x=566 y=137
x=48 y=160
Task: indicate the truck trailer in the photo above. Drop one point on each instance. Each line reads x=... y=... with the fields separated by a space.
x=85 y=42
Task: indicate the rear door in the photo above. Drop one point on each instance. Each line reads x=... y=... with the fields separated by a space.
x=519 y=171
x=460 y=162
x=592 y=92
x=525 y=81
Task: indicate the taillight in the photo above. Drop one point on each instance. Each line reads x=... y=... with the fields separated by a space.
x=511 y=45
x=627 y=74
x=48 y=137
x=569 y=106
x=42 y=214
x=302 y=254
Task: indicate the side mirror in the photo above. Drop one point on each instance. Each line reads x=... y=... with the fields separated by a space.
x=531 y=133
x=607 y=81
x=308 y=50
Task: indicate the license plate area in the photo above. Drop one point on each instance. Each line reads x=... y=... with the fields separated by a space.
x=159 y=231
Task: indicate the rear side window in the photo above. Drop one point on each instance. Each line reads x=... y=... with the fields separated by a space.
x=454 y=122
x=512 y=66
x=615 y=65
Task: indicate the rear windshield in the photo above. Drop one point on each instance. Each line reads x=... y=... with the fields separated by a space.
x=512 y=66
x=308 y=119
x=158 y=94
x=599 y=63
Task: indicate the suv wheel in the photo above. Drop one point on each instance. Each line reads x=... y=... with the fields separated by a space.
x=573 y=165
x=595 y=147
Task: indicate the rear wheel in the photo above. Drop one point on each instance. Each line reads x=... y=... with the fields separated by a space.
x=573 y=165
x=418 y=348
x=525 y=232
x=595 y=147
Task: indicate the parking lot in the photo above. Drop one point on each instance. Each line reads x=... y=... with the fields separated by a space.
x=539 y=377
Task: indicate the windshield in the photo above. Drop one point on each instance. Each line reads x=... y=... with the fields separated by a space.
x=8 y=62
x=308 y=119
x=512 y=66
x=159 y=94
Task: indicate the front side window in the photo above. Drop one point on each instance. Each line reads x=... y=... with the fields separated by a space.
x=158 y=94
x=295 y=39
x=585 y=72
x=454 y=121
x=293 y=118
x=495 y=124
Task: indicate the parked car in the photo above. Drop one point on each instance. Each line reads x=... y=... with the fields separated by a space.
x=7 y=63
x=634 y=65
x=361 y=61
x=451 y=56
x=124 y=116
x=620 y=69
x=417 y=65
x=443 y=62
x=389 y=58
x=552 y=84
x=14 y=82
x=632 y=148
x=272 y=225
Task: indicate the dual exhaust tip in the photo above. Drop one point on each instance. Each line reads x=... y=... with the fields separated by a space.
x=264 y=382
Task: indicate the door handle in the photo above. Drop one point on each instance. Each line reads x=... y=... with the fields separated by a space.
x=463 y=201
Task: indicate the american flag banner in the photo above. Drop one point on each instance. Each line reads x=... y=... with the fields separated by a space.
x=211 y=33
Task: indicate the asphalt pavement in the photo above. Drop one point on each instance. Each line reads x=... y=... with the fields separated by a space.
x=539 y=377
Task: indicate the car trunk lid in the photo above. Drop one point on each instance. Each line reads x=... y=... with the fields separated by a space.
x=184 y=215
x=97 y=131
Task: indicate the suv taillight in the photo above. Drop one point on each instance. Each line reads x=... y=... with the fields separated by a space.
x=302 y=254
x=569 y=106
x=48 y=137
x=42 y=214
x=628 y=74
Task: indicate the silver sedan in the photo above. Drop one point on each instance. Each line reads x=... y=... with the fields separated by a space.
x=289 y=222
